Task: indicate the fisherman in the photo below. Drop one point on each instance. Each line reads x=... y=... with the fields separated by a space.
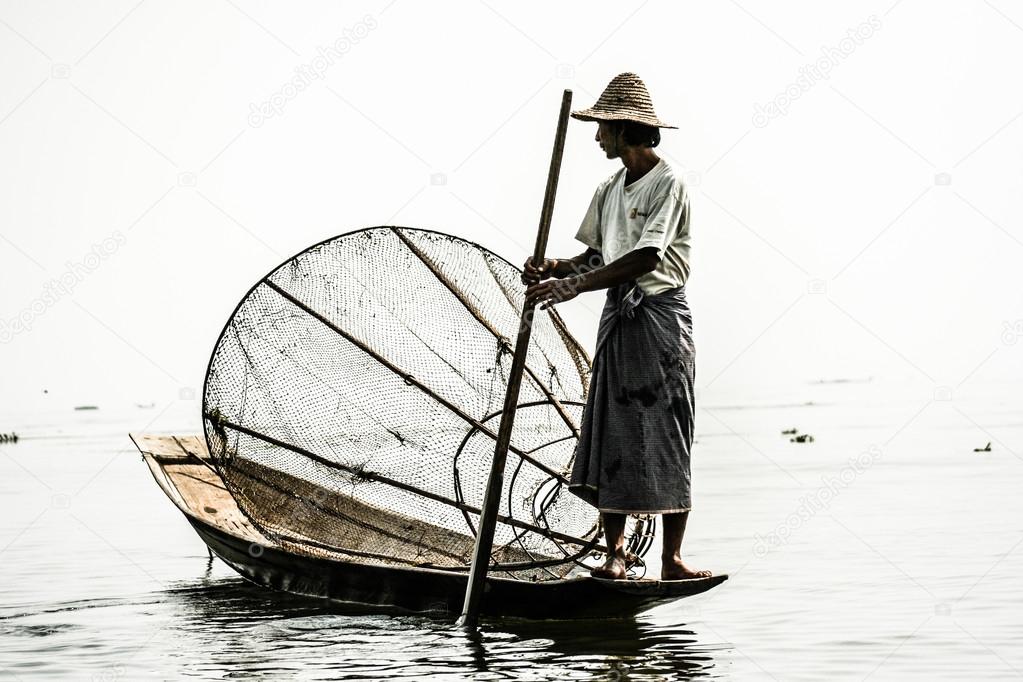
x=637 y=426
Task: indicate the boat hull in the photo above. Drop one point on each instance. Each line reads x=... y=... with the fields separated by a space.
x=441 y=592
x=180 y=467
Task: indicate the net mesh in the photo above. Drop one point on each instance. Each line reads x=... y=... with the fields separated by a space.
x=353 y=401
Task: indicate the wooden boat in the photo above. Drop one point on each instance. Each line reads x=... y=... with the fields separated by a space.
x=182 y=468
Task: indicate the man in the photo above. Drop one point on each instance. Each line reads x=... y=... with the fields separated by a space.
x=637 y=426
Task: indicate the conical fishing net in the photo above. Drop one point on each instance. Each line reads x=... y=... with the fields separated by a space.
x=353 y=401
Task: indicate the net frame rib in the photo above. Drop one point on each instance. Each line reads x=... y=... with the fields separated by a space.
x=221 y=423
x=407 y=377
x=386 y=558
x=502 y=341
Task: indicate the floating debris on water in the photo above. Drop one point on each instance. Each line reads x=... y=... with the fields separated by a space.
x=796 y=436
x=986 y=448
x=8 y=437
x=80 y=408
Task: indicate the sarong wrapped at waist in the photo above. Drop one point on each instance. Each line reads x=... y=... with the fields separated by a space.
x=637 y=426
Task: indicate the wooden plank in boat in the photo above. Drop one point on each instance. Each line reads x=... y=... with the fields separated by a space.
x=208 y=500
x=171 y=448
x=183 y=462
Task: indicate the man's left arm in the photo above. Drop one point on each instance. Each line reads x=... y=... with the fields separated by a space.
x=667 y=213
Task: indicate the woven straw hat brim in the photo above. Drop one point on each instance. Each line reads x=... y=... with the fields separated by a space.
x=594 y=114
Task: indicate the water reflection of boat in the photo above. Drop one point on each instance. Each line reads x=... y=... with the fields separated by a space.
x=629 y=647
x=364 y=645
x=182 y=468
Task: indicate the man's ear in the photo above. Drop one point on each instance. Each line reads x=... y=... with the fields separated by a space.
x=619 y=133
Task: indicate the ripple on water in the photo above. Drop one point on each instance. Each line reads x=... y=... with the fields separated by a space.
x=47 y=630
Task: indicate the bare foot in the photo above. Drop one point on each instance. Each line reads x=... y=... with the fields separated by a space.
x=613 y=569
x=674 y=569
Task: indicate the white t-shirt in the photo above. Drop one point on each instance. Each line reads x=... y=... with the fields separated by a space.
x=652 y=211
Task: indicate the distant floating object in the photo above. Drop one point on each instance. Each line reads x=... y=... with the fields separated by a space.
x=8 y=438
x=80 y=408
x=986 y=448
x=800 y=438
x=145 y=406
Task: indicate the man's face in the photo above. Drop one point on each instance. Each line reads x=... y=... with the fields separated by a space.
x=609 y=140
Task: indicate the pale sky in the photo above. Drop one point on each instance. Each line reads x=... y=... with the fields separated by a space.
x=871 y=229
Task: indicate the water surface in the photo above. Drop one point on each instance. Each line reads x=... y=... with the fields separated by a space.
x=886 y=549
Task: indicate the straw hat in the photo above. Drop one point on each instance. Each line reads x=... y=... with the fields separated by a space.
x=624 y=99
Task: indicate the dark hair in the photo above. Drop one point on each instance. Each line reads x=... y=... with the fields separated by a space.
x=639 y=134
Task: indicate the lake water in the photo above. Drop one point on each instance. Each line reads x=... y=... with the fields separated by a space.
x=904 y=563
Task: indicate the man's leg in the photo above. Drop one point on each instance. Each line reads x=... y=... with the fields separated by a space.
x=614 y=536
x=672 y=567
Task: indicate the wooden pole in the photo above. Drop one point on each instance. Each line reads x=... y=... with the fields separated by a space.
x=492 y=497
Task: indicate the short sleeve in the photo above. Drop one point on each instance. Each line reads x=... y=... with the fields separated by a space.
x=590 y=230
x=666 y=215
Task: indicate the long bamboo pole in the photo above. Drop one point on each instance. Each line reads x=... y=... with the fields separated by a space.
x=492 y=498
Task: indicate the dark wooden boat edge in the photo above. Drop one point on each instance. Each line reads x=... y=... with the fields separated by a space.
x=177 y=464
